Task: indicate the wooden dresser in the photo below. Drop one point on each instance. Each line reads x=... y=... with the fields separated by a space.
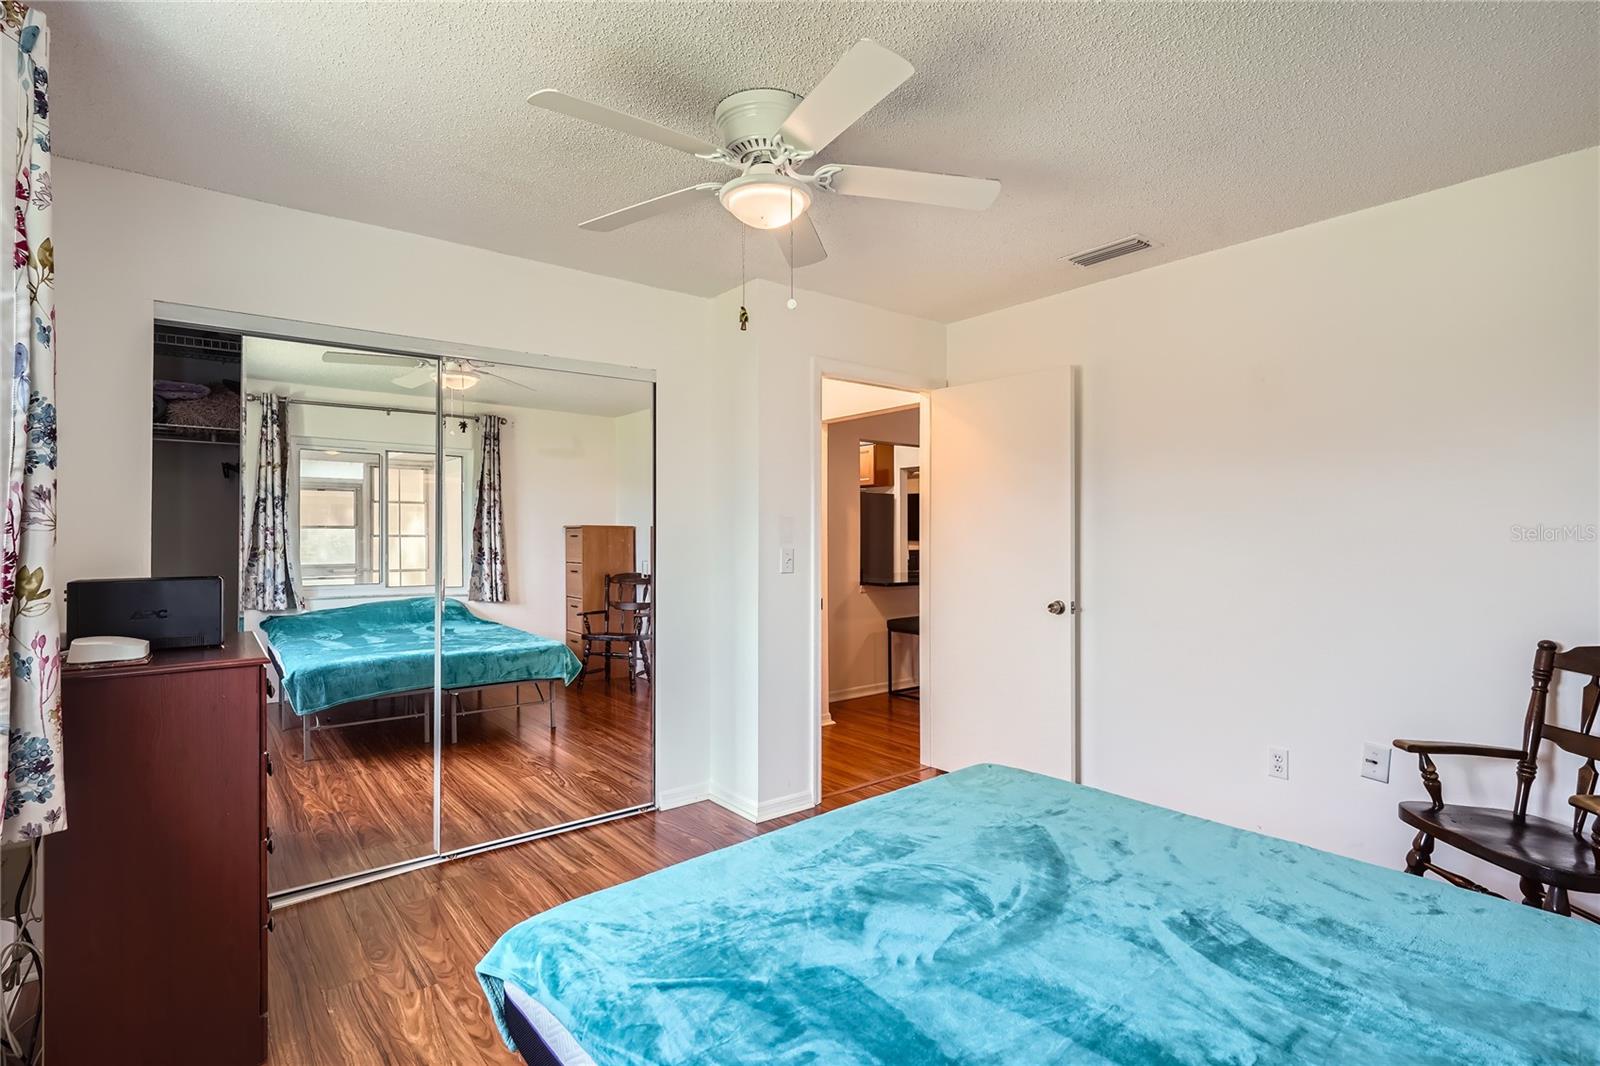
x=156 y=893
x=593 y=552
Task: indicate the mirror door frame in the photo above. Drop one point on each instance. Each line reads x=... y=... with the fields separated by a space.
x=425 y=348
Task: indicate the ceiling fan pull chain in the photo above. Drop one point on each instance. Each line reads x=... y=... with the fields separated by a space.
x=744 y=315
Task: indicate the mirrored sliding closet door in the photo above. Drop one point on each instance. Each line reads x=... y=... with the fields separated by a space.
x=549 y=635
x=449 y=563
x=339 y=492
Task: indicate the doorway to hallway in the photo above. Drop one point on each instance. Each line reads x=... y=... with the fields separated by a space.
x=871 y=512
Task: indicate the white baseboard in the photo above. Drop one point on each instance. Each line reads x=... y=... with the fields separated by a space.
x=683 y=796
x=739 y=805
x=876 y=688
x=773 y=808
x=777 y=808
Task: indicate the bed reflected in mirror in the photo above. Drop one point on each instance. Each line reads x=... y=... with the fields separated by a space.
x=561 y=546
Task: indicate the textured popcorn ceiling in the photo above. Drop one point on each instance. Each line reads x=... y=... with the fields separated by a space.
x=1197 y=125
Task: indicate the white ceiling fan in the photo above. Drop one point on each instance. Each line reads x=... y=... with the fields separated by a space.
x=766 y=133
x=456 y=375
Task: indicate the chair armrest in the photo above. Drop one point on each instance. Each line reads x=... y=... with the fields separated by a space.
x=1449 y=747
x=1586 y=803
x=597 y=610
x=1425 y=749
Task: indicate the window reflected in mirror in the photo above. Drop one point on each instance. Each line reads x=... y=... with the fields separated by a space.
x=340 y=525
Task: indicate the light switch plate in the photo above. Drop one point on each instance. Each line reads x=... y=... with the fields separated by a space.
x=786 y=560
x=1375 y=761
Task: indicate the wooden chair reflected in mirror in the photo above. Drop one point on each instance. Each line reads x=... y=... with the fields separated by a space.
x=1551 y=859
x=623 y=629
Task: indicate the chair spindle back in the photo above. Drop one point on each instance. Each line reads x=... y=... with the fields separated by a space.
x=1537 y=728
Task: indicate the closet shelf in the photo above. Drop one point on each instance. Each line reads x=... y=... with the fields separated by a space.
x=195 y=434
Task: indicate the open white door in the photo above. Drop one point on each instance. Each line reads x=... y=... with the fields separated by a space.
x=1002 y=615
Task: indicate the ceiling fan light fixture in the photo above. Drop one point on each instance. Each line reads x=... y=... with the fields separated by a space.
x=762 y=198
x=458 y=380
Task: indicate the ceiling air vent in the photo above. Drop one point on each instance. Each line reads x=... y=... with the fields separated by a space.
x=1096 y=256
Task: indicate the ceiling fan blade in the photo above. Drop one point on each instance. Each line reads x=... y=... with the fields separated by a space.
x=914 y=186
x=864 y=75
x=423 y=375
x=659 y=206
x=807 y=245
x=612 y=119
x=363 y=359
x=501 y=377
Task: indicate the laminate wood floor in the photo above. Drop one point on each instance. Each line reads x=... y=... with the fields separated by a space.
x=365 y=798
x=383 y=974
x=872 y=738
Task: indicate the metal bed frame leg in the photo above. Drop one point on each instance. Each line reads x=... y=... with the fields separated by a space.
x=305 y=737
x=455 y=717
x=549 y=703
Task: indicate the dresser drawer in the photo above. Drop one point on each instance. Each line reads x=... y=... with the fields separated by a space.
x=575 y=579
x=574 y=608
x=574 y=544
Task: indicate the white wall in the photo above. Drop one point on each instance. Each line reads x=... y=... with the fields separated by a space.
x=1302 y=459
x=734 y=411
x=857 y=614
x=635 y=480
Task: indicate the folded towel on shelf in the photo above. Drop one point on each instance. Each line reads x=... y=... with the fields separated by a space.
x=219 y=410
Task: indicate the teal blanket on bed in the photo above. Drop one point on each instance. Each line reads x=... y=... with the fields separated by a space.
x=386 y=648
x=996 y=916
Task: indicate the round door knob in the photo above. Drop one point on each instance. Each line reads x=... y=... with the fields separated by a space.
x=1056 y=607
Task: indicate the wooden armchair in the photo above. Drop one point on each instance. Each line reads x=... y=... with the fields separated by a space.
x=1549 y=858
x=623 y=629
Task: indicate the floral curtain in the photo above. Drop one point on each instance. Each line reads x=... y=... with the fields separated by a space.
x=266 y=582
x=489 y=523
x=30 y=676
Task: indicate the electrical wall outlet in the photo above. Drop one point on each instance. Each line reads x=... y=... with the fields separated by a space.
x=1375 y=761
x=1278 y=763
x=785 y=560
